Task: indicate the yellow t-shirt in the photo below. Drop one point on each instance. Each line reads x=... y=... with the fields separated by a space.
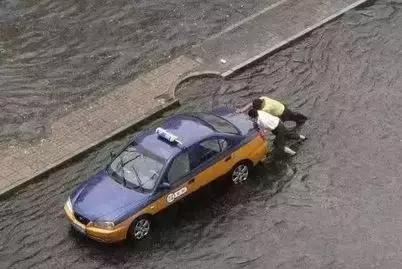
x=272 y=106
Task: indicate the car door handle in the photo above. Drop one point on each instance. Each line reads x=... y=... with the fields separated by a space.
x=228 y=158
x=191 y=181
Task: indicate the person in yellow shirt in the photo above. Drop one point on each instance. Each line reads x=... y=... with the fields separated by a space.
x=275 y=108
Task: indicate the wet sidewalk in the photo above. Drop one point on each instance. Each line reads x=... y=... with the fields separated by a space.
x=223 y=54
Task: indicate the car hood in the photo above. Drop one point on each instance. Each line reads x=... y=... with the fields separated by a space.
x=101 y=198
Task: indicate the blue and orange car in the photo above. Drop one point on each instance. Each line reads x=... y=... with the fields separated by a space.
x=160 y=167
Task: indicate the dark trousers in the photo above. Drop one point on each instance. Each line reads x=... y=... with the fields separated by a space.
x=281 y=134
x=289 y=115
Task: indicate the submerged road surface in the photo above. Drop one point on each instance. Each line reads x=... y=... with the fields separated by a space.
x=336 y=204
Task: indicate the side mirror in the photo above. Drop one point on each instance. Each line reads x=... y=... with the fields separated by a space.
x=164 y=186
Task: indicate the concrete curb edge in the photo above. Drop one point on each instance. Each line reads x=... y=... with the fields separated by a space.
x=189 y=76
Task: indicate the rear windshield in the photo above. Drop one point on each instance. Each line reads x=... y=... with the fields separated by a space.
x=220 y=124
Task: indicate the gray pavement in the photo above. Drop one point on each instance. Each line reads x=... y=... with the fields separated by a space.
x=223 y=54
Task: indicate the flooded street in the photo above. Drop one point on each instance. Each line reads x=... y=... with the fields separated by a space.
x=55 y=55
x=336 y=204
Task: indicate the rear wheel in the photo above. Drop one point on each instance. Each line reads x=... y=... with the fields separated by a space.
x=140 y=228
x=240 y=173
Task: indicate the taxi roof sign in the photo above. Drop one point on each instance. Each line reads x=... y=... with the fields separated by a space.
x=162 y=133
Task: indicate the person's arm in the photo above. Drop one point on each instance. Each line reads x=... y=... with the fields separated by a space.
x=245 y=108
x=260 y=128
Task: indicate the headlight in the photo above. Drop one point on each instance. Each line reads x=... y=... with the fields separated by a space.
x=108 y=225
x=69 y=205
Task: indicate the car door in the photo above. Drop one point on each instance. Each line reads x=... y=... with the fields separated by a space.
x=192 y=169
x=180 y=179
x=211 y=159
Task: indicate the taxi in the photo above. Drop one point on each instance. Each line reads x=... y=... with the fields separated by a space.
x=160 y=167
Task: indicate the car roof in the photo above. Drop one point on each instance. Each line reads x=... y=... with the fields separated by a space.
x=187 y=127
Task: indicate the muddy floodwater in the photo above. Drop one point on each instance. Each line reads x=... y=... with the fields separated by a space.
x=55 y=55
x=336 y=204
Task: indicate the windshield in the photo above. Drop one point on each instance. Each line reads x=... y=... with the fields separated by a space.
x=136 y=169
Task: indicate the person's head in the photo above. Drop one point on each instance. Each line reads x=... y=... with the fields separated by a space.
x=257 y=104
x=253 y=113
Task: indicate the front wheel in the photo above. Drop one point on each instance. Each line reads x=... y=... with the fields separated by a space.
x=140 y=228
x=240 y=173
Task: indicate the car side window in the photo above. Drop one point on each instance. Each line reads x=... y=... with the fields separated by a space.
x=204 y=151
x=209 y=148
x=179 y=168
x=223 y=143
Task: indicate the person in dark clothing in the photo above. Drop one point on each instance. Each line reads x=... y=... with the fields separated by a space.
x=265 y=121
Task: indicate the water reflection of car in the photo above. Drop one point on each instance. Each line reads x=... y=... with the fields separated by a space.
x=160 y=167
